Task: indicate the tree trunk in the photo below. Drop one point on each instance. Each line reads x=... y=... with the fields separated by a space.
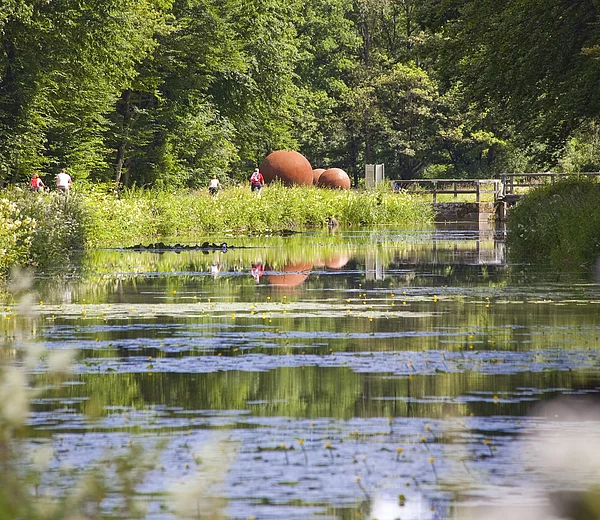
x=124 y=108
x=354 y=160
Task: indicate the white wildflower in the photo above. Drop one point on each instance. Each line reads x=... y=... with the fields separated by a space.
x=196 y=492
x=25 y=305
x=42 y=457
x=61 y=360
x=14 y=398
x=34 y=352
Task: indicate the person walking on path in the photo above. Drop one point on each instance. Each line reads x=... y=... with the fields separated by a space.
x=214 y=185
x=257 y=181
x=37 y=184
x=63 y=181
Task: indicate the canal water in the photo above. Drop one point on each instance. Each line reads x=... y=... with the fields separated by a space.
x=381 y=373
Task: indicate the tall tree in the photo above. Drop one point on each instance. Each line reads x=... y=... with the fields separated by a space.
x=532 y=63
x=63 y=66
x=328 y=48
x=218 y=93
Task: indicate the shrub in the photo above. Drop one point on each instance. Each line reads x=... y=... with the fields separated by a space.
x=41 y=229
x=16 y=235
x=557 y=225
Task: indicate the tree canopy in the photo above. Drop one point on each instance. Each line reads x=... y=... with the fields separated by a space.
x=170 y=92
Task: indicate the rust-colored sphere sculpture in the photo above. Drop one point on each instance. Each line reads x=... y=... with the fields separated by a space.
x=316 y=174
x=287 y=166
x=334 y=178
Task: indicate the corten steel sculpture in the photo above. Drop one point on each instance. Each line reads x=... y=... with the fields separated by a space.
x=334 y=178
x=316 y=174
x=287 y=166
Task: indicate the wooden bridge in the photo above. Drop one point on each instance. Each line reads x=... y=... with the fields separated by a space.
x=483 y=195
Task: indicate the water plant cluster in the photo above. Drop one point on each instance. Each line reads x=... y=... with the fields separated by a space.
x=557 y=225
x=46 y=229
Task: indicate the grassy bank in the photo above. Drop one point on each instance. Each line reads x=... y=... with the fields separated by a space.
x=45 y=229
x=557 y=225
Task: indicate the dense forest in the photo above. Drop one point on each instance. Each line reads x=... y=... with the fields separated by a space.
x=169 y=92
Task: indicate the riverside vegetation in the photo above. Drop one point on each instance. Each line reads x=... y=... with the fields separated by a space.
x=557 y=225
x=47 y=229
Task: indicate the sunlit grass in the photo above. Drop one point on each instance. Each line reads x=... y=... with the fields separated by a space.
x=143 y=214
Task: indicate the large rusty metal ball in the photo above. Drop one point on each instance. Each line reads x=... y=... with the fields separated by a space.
x=334 y=178
x=287 y=166
x=316 y=174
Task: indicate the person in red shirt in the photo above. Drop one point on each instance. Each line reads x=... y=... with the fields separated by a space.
x=37 y=184
x=257 y=181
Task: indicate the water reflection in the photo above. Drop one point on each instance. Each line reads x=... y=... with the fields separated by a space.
x=337 y=261
x=292 y=261
x=289 y=275
x=349 y=368
x=256 y=271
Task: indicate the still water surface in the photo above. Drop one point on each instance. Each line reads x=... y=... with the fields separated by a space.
x=359 y=374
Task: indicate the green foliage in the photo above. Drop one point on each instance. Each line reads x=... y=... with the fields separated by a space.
x=532 y=64
x=141 y=215
x=16 y=232
x=557 y=225
x=582 y=151
x=165 y=93
x=46 y=229
x=41 y=229
x=63 y=65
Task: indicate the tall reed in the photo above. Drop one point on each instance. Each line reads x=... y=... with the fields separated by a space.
x=141 y=214
x=47 y=229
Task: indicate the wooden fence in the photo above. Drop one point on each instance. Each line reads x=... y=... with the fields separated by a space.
x=509 y=185
x=455 y=187
x=520 y=183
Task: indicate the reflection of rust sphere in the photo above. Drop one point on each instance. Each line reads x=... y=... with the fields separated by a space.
x=288 y=166
x=334 y=178
x=337 y=261
x=316 y=174
x=291 y=276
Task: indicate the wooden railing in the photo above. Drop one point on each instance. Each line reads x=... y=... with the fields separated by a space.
x=509 y=184
x=519 y=183
x=455 y=187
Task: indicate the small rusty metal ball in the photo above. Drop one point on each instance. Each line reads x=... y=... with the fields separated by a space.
x=334 y=178
x=316 y=174
x=288 y=166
